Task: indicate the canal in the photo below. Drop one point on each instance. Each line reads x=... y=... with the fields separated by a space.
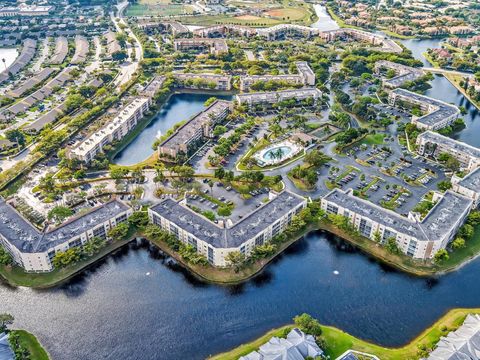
x=443 y=90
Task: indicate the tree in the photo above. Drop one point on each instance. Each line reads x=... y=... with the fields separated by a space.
x=391 y=246
x=210 y=185
x=119 y=232
x=220 y=173
x=59 y=213
x=466 y=231
x=5 y=320
x=474 y=218
x=444 y=185
x=441 y=255
x=308 y=324
x=139 y=219
x=316 y=158
x=224 y=211
x=5 y=257
x=16 y=136
x=458 y=243
x=118 y=173
x=377 y=237
x=93 y=246
x=235 y=259
x=65 y=258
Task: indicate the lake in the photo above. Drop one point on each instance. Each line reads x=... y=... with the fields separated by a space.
x=178 y=108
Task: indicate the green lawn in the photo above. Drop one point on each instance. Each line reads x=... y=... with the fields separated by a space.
x=374 y=139
x=156 y=10
x=30 y=342
x=338 y=341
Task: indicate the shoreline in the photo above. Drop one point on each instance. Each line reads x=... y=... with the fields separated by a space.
x=338 y=341
x=16 y=277
x=451 y=79
x=35 y=348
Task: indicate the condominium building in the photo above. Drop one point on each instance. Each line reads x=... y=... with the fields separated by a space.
x=305 y=76
x=25 y=10
x=274 y=97
x=34 y=250
x=432 y=144
x=282 y=31
x=60 y=52
x=438 y=115
x=468 y=186
x=402 y=73
x=115 y=130
x=213 y=46
x=81 y=50
x=215 y=241
x=204 y=81
x=153 y=86
x=189 y=136
x=420 y=239
x=380 y=42
x=224 y=30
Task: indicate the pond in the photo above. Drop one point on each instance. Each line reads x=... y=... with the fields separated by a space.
x=9 y=55
x=178 y=108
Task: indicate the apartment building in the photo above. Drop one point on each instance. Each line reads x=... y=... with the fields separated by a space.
x=468 y=186
x=216 y=241
x=25 y=10
x=381 y=43
x=274 y=97
x=115 y=130
x=188 y=137
x=203 y=81
x=34 y=250
x=282 y=31
x=305 y=76
x=438 y=115
x=402 y=73
x=224 y=30
x=432 y=144
x=415 y=237
x=153 y=86
x=213 y=46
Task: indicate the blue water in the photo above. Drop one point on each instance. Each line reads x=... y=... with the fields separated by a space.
x=117 y=311
x=269 y=154
x=179 y=107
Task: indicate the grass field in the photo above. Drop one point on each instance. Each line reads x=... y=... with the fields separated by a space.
x=338 y=341
x=373 y=139
x=157 y=8
x=274 y=13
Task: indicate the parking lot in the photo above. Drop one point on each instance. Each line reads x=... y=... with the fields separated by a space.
x=386 y=175
x=212 y=199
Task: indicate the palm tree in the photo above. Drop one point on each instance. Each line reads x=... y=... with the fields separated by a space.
x=210 y=184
